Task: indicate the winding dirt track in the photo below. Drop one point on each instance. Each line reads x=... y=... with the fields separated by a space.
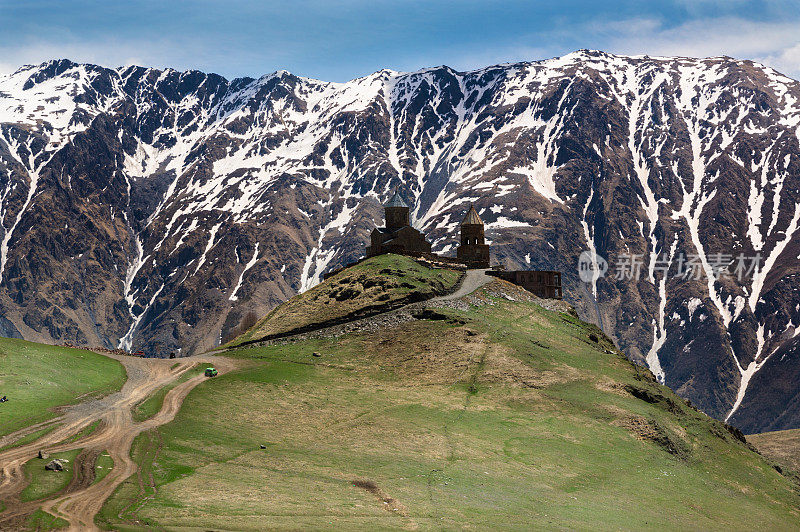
x=82 y=499
x=473 y=280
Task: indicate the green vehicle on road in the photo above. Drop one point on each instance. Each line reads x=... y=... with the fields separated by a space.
x=211 y=372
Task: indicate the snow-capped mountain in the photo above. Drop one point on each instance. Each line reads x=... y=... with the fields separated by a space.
x=153 y=209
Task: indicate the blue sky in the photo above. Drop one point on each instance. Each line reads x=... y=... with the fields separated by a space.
x=340 y=40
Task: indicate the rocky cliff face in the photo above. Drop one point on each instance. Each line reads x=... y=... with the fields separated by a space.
x=153 y=209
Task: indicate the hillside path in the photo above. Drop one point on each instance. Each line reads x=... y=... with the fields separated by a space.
x=82 y=499
x=473 y=280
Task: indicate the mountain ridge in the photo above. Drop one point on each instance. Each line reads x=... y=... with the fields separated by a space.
x=390 y=71
x=133 y=199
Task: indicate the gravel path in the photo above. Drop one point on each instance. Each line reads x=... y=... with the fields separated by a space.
x=473 y=280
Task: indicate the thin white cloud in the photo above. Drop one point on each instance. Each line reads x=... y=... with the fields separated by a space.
x=786 y=60
x=7 y=68
x=118 y=54
x=776 y=44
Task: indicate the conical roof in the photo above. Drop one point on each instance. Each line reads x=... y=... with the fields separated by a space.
x=396 y=201
x=472 y=217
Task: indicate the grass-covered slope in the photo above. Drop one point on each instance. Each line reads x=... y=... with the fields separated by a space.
x=782 y=446
x=376 y=284
x=37 y=378
x=498 y=414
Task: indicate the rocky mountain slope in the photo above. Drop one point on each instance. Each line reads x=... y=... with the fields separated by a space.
x=154 y=209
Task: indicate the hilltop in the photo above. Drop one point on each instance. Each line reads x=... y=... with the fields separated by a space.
x=377 y=285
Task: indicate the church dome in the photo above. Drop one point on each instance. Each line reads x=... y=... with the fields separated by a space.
x=396 y=201
x=472 y=217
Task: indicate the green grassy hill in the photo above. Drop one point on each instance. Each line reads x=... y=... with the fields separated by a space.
x=36 y=378
x=495 y=413
x=377 y=284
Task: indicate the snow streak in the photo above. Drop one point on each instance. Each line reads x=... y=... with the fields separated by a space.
x=247 y=266
x=501 y=131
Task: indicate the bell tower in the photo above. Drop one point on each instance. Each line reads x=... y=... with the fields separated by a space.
x=473 y=250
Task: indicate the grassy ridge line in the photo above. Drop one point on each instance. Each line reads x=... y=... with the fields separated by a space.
x=83 y=433
x=33 y=436
x=103 y=466
x=501 y=415
x=376 y=285
x=41 y=520
x=37 y=378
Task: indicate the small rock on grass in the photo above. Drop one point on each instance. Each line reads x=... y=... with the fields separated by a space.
x=55 y=465
x=315 y=354
x=263 y=446
x=43 y=455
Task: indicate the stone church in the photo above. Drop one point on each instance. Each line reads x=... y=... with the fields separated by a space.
x=398 y=236
x=473 y=252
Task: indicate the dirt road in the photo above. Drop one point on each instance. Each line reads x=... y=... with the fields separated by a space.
x=80 y=501
x=473 y=280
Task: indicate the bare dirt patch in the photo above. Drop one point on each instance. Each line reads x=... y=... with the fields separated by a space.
x=419 y=358
x=83 y=470
x=610 y=386
x=500 y=366
x=645 y=429
x=390 y=504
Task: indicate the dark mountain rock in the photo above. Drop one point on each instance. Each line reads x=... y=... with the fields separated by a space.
x=155 y=210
